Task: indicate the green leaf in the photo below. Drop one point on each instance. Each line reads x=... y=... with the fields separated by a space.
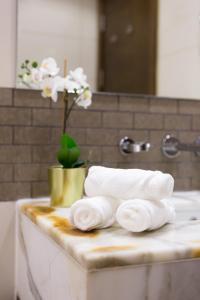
x=34 y=64
x=73 y=155
x=67 y=141
x=62 y=156
x=69 y=151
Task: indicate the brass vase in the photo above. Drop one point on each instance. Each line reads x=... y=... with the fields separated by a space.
x=66 y=185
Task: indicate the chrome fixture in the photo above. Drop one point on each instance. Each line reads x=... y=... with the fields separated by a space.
x=171 y=146
x=128 y=146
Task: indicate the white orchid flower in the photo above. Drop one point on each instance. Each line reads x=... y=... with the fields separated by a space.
x=36 y=76
x=51 y=87
x=79 y=77
x=85 y=98
x=70 y=85
x=49 y=67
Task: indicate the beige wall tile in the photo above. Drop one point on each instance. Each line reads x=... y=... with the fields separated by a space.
x=148 y=121
x=182 y=184
x=42 y=154
x=15 y=154
x=136 y=135
x=30 y=172
x=85 y=119
x=117 y=120
x=10 y=191
x=92 y=154
x=196 y=123
x=104 y=102
x=101 y=137
x=39 y=189
x=30 y=98
x=189 y=107
x=189 y=169
x=32 y=135
x=47 y=117
x=128 y=103
x=164 y=106
x=177 y=122
x=15 y=116
x=6 y=135
x=112 y=155
x=6 y=172
x=6 y=96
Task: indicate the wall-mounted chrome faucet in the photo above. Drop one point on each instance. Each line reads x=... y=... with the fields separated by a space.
x=128 y=146
x=171 y=146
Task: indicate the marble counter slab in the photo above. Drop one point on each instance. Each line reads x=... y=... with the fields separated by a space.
x=114 y=247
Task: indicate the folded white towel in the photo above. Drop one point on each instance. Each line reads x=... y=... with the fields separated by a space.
x=94 y=213
x=138 y=215
x=128 y=183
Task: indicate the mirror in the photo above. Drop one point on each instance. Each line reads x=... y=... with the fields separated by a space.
x=124 y=46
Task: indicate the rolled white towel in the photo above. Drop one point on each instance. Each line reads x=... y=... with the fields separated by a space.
x=94 y=213
x=128 y=183
x=138 y=215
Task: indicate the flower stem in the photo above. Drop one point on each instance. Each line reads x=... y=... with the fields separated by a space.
x=65 y=99
x=70 y=109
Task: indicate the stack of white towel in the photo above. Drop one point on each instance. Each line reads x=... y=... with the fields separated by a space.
x=134 y=198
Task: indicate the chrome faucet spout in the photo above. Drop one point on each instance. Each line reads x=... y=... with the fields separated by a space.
x=171 y=146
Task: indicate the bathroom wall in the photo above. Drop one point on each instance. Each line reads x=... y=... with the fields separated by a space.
x=8 y=29
x=30 y=127
x=178 y=60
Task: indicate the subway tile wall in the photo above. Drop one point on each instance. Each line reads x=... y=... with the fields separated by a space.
x=30 y=127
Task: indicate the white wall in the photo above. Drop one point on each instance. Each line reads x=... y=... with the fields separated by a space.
x=178 y=68
x=60 y=28
x=8 y=30
x=7 y=250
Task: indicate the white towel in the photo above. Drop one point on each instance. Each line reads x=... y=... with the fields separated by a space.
x=94 y=213
x=138 y=215
x=128 y=183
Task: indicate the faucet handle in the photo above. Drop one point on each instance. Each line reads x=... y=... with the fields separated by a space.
x=128 y=146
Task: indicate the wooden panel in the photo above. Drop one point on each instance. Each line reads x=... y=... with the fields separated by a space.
x=129 y=46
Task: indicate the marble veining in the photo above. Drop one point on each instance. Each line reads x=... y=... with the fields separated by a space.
x=114 y=247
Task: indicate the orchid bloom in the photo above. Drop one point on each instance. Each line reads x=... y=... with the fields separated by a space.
x=36 y=76
x=49 y=67
x=84 y=99
x=79 y=77
x=49 y=89
x=46 y=77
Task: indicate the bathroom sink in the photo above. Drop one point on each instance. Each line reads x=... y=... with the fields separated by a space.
x=187 y=205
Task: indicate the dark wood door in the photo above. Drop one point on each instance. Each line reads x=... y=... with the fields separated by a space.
x=129 y=46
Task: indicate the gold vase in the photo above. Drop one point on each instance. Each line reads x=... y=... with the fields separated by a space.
x=66 y=185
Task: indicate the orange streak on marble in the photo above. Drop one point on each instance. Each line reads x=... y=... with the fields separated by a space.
x=34 y=211
x=113 y=248
x=64 y=226
x=196 y=253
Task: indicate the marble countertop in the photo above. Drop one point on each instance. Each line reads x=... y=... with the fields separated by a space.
x=115 y=247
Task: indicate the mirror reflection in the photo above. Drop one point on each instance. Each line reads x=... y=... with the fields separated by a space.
x=126 y=46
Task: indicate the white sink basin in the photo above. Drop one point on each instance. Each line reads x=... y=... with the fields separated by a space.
x=187 y=205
